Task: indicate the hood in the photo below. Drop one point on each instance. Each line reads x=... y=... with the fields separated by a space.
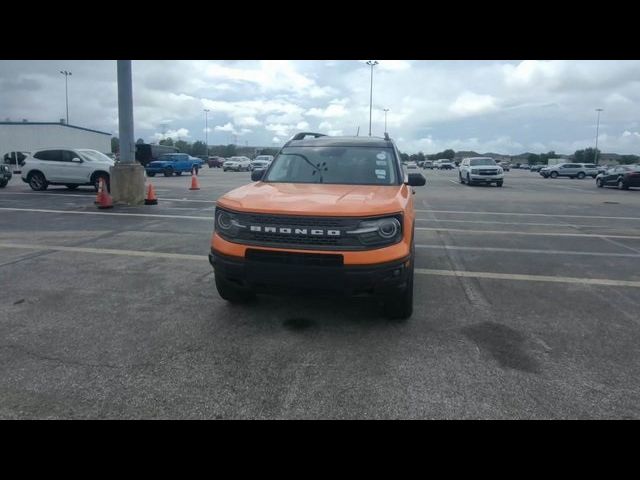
x=317 y=199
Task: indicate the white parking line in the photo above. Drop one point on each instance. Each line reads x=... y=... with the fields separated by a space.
x=530 y=278
x=530 y=250
x=539 y=234
x=150 y=215
x=524 y=214
x=419 y=271
x=161 y=199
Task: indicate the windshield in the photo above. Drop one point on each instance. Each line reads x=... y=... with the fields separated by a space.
x=482 y=161
x=338 y=165
x=94 y=155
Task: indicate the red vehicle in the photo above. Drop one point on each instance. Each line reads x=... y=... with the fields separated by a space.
x=215 y=162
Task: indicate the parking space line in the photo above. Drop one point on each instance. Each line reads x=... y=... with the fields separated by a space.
x=106 y=251
x=539 y=234
x=89 y=195
x=530 y=278
x=419 y=271
x=489 y=222
x=530 y=250
x=525 y=214
x=117 y=214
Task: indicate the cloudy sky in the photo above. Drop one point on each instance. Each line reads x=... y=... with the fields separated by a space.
x=487 y=106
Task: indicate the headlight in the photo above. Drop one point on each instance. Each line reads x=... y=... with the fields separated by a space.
x=381 y=231
x=226 y=223
x=499 y=171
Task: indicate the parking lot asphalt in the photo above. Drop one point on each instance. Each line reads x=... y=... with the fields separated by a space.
x=527 y=301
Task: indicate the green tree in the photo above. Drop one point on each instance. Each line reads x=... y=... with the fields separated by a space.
x=166 y=141
x=115 y=144
x=183 y=146
x=198 y=148
x=139 y=141
x=587 y=155
x=532 y=159
x=628 y=159
x=229 y=151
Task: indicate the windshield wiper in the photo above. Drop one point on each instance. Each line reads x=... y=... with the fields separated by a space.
x=316 y=168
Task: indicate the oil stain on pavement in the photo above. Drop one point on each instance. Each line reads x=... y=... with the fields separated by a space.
x=506 y=345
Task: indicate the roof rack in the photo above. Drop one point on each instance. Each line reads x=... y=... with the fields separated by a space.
x=386 y=137
x=302 y=135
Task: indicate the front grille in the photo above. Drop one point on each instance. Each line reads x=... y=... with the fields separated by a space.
x=487 y=172
x=293 y=237
x=288 y=258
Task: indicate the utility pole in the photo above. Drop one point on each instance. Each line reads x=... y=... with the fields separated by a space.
x=597 y=129
x=66 y=90
x=126 y=177
x=371 y=64
x=206 y=132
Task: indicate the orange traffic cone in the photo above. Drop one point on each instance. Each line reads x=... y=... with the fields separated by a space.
x=151 y=196
x=194 y=183
x=103 y=199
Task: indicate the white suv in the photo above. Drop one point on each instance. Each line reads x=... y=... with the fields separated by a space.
x=480 y=170
x=66 y=166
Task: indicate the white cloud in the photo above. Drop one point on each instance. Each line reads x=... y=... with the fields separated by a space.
x=275 y=140
x=227 y=127
x=302 y=125
x=469 y=103
x=180 y=133
x=332 y=111
x=248 y=121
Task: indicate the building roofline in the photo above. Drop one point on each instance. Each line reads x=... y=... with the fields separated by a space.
x=58 y=124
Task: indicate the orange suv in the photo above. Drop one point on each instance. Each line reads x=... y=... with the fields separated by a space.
x=329 y=215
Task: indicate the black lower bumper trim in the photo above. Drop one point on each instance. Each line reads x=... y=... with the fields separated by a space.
x=280 y=277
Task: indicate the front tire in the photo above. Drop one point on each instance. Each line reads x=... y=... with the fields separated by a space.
x=71 y=186
x=553 y=174
x=3 y=183
x=37 y=182
x=599 y=183
x=468 y=180
x=460 y=178
x=498 y=184
x=621 y=185
x=581 y=175
x=233 y=293
x=168 y=172
x=400 y=307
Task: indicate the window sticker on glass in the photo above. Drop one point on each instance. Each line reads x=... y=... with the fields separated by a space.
x=381 y=156
x=381 y=173
x=381 y=163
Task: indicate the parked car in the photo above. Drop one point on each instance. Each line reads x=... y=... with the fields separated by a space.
x=5 y=175
x=480 y=170
x=215 y=162
x=571 y=170
x=427 y=164
x=621 y=176
x=237 y=164
x=506 y=166
x=412 y=165
x=69 y=167
x=536 y=168
x=591 y=169
x=173 y=164
x=266 y=158
x=259 y=164
x=445 y=165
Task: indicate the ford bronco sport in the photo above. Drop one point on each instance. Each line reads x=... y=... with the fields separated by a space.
x=329 y=214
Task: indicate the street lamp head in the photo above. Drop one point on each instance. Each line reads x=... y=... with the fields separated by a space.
x=372 y=62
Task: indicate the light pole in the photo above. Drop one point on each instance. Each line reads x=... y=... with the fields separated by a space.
x=206 y=132
x=597 y=129
x=385 y=119
x=66 y=90
x=371 y=63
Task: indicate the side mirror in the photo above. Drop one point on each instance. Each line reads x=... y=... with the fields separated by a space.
x=416 y=180
x=257 y=174
x=76 y=160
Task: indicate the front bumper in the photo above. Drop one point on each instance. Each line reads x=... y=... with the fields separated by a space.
x=486 y=178
x=278 y=272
